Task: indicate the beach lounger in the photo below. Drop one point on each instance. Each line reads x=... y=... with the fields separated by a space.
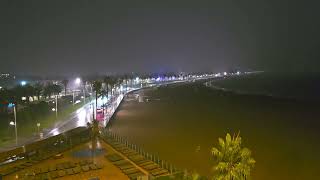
x=131 y=171
x=122 y=162
x=99 y=166
x=70 y=171
x=146 y=163
x=135 y=175
x=141 y=161
x=114 y=157
x=85 y=168
x=159 y=172
x=151 y=167
x=132 y=153
x=37 y=171
x=93 y=166
x=61 y=173
x=123 y=167
x=54 y=174
x=52 y=168
x=60 y=167
x=76 y=169
x=82 y=163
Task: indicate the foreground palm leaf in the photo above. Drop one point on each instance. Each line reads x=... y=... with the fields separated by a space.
x=233 y=161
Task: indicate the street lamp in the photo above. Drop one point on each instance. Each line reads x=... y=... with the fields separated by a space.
x=23 y=83
x=38 y=125
x=56 y=106
x=77 y=82
x=15 y=121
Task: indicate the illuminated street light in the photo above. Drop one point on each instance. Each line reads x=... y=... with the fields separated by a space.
x=38 y=125
x=53 y=109
x=15 y=121
x=77 y=81
x=23 y=83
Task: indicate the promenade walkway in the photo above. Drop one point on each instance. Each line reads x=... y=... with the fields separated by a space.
x=76 y=163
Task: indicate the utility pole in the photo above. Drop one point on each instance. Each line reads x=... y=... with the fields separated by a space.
x=15 y=123
x=92 y=111
x=72 y=97
x=84 y=95
x=56 y=107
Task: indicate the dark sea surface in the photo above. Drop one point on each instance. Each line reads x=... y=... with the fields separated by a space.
x=299 y=86
x=282 y=129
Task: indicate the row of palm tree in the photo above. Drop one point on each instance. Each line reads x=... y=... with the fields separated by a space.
x=37 y=90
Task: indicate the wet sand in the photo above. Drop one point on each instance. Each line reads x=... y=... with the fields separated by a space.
x=283 y=135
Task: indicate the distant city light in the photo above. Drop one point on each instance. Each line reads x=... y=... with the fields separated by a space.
x=53 y=109
x=0 y=87
x=137 y=78
x=238 y=72
x=225 y=73
x=11 y=123
x=23 y=83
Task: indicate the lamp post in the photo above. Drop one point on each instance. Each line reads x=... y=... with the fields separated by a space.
x=72 y=97
x=56 y=106
x=15 y=121
x=38 y=125
x=77 y=82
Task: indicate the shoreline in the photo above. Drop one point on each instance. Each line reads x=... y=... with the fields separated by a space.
x=257 y=94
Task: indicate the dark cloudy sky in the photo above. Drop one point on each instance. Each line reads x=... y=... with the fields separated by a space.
x=53 y=36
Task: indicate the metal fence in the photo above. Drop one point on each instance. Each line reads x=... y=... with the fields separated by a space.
x=172 y=169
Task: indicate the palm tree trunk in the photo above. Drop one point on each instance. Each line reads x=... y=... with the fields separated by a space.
x=96 y=102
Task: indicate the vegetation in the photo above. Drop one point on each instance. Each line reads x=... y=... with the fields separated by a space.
x=233 y=161
x=65 y=83
x=97 y=87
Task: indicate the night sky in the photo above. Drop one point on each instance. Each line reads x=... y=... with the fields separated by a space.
x=66 y=37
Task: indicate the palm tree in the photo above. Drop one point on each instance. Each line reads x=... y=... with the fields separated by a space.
x=126 y=78
x=112 y=83
x=94 y=127
x=56 y=89
x=65 y=84
x=107 y=81
x=38 y=88
x=233 y=161
x=97 y=85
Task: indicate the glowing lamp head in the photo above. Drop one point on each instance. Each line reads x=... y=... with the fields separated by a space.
x=77 y=81
x=23 y=83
